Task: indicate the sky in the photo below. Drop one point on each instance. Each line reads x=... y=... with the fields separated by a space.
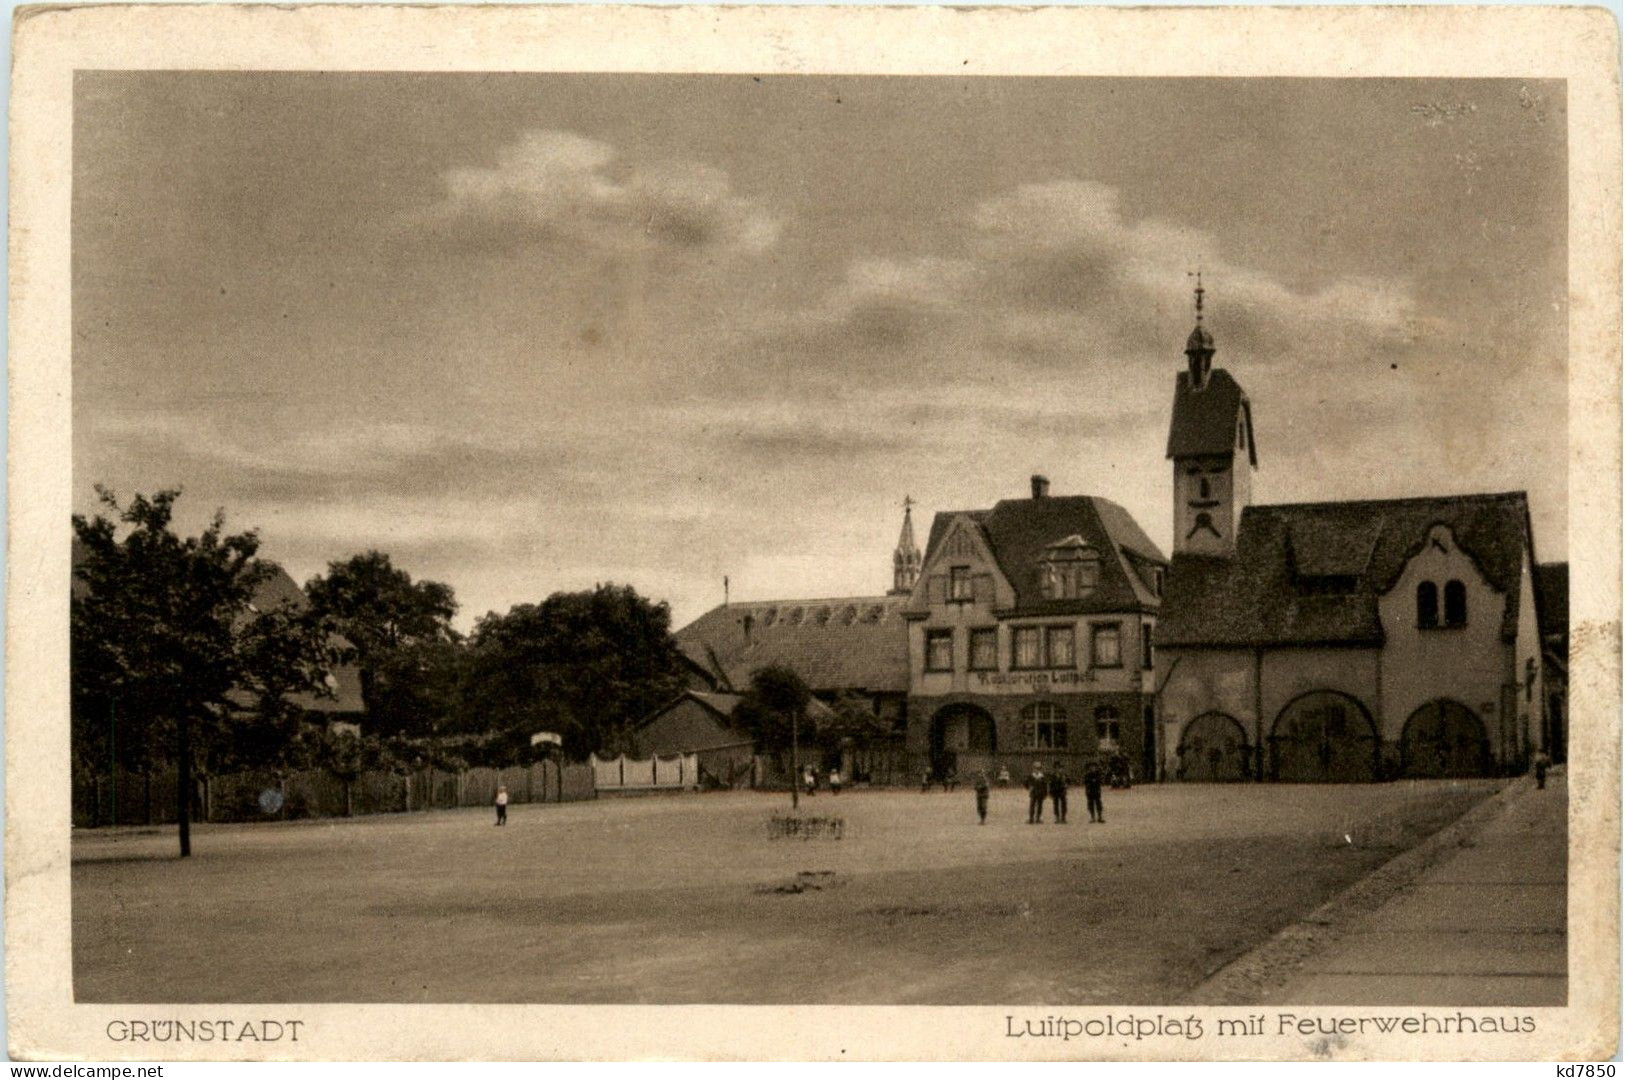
x=532 y=332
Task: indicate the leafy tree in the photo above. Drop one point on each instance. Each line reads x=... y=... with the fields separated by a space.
x=774 y=713
x=588 y=665
x=854 y=724
x=776 y=697
x=398 y=630
x=163 y=638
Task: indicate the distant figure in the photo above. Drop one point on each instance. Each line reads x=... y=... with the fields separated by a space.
x=1037 y=788
x=1004 y=776
x=1057 y=794
x=502 y=805
x=1542 y=763
x=925 y=781
x=810 y=779
x=835 y=781
x=1120 y=770
x=1091 y=791
x=950 y=781
x=981 y=796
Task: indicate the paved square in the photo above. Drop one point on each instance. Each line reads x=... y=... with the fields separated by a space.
x=687 y=898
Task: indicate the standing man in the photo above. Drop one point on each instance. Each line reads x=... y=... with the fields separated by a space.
x=981 y=796
x=1037 y=787
x=1091 y=790
x=502 y=805
x=1057 y=794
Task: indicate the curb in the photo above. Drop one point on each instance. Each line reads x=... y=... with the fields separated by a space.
x=1249 y=978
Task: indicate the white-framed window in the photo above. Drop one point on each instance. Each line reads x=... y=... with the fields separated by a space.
x=939 y=650
x=1025 y=646
x=1059 y=647
x=1043 y=727
x=960 y=586
x=984 y=648
x=1108 y=727
x=1107 y=645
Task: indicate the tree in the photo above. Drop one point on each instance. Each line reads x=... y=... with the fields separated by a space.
x=588 y=665
x=773 y=712
x=163 y=637
x=392 y=624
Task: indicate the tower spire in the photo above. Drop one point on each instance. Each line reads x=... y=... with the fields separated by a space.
x=906 y=558
x=1199 y=346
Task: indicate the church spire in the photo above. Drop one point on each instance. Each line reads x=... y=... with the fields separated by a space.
x=1199 y=346
x=906 y=558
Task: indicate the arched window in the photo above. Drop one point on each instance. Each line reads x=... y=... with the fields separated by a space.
x=1427 y=605
x=1043 y=727
x=1455 y=604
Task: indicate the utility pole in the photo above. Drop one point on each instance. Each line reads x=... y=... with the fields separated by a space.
x=112 y=751
x=795 y=766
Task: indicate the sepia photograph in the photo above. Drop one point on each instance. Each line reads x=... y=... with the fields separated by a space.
x=650 y=538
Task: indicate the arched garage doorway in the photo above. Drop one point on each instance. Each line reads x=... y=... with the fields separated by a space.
x=957 y=730
x=1444 y=738
x=1213 y=748
x=1323 y=737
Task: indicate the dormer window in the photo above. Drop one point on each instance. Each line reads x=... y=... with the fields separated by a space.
x=959 y=583
x=1069 y=569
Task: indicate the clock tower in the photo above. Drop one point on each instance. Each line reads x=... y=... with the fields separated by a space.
x=1210 y=442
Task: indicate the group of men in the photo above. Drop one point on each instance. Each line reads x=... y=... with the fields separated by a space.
x=1054 y=786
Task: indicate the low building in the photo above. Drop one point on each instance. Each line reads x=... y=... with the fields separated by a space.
x=847 y=647
x=700 y=723
x=1029 y=637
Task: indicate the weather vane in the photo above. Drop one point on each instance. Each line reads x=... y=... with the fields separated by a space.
x=1197 y=274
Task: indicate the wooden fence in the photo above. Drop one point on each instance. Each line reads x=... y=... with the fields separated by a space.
x=149 y=798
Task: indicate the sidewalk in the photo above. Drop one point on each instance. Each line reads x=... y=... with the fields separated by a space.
x=1486 y=926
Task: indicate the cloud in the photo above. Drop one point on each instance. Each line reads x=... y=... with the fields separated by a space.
x=550 y=187
x=1068 y=247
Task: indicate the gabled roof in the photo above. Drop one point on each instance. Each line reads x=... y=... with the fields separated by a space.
x=1204 y=421
x=1255 y=598
x=851 y=643
x=1020 y=532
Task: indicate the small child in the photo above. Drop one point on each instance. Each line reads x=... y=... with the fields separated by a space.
x=835 y=781
x=502 y=805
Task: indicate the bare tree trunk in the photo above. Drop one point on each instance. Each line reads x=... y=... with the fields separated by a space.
x=183 y=784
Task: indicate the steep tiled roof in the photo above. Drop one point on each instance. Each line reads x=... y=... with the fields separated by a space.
x=1019 y=531
x=853 y=643
x=1259 y=598
x=1204 y=421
